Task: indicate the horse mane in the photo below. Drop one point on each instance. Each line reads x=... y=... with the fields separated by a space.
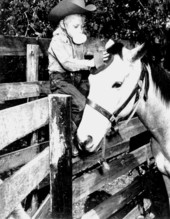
x=160 y=76
x=161 y=79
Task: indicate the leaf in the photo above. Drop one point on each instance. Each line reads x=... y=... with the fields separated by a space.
x=38 y=34
x=10 y=18
x=26 y=5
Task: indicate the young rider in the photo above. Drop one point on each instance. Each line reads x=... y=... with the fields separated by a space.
x=66 y=53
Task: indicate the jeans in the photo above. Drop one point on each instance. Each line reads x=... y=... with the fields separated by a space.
x=71 y=84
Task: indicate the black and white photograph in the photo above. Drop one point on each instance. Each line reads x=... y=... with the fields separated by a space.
x=84 y=109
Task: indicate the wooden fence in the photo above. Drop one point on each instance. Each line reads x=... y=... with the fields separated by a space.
x=39 y=160
x=128 y=150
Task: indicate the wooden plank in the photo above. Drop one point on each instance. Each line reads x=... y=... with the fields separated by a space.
x=16 y=122
x=11 y=45
x=32 y=75
x=90 y=182
x=117 y=185
x=134 y=213
x=88 y=162
x=14 y=189
x=126 y=209
x=112 y=150
x=115 y=202
x=115 y=146
x=60 y=155
x=20 y=90
x=134 y=127
x=16 y=46
x=20 y=157
x=11 y=91
x=32 y=62
x=134 y=209
x=43 y=210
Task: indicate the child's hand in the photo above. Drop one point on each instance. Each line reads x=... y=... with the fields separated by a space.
x=109 y=43
x=100 y=57
x=105 y=56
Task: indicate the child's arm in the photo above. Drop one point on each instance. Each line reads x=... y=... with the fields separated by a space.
x=62 y=55
x=76 y=64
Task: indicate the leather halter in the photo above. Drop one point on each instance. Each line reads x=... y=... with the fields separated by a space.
x=136 y=91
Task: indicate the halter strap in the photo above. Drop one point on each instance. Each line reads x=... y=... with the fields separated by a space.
x=137 y=88
x=98 y=108
x=113 y=117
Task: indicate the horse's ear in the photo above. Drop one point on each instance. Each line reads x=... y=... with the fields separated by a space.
x=114 y=48
x=138 y=52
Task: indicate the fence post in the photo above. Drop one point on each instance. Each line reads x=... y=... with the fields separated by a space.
x=32 y=73
x=32 y=64
x=60 y=156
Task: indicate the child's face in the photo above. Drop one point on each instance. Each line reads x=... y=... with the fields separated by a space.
x=74 y=25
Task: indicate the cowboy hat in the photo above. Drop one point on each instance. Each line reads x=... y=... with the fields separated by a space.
x=68 y=7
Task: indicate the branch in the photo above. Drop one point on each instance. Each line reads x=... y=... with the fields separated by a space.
x=28 y=24
x=141 y=4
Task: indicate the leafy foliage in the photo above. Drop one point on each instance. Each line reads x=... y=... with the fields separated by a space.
x=26 y=17
x=139 y=20
x=133 y=20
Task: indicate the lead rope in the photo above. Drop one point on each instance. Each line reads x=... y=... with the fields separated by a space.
x=103 y=163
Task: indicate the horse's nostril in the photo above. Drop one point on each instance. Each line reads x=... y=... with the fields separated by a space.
x=85 y=144
x=89 y=139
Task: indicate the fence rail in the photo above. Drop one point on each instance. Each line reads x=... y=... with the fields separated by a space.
x=17 y=122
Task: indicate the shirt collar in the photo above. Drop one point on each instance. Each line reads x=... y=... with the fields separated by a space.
x=59 y=32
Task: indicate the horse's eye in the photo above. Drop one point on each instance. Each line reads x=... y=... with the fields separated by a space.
x=117 y=84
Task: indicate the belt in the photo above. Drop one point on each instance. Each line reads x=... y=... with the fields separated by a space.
x=60 y=76
x=71 y=77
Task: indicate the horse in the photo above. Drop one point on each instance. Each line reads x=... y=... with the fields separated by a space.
x=129 y=84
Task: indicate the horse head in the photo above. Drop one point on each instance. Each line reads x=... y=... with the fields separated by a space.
x=109 y=89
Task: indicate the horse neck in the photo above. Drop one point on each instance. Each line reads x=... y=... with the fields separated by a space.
x=154 y=113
